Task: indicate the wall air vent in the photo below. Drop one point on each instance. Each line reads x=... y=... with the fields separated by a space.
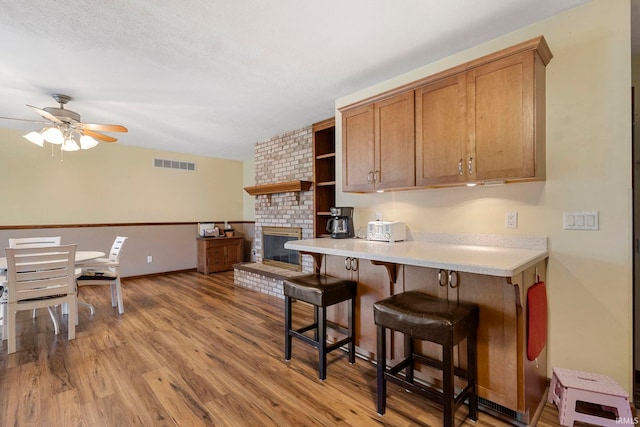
x=174 y=164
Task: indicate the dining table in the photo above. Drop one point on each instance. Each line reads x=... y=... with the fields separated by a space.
x=81 y=257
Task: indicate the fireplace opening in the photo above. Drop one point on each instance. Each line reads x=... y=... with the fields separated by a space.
x=273 y=251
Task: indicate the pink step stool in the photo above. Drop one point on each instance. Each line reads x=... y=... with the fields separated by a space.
x=569 y=387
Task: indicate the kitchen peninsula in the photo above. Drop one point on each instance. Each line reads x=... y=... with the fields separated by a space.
x=493 y=271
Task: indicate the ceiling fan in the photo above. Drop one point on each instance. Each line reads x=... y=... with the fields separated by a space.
x=64 y=127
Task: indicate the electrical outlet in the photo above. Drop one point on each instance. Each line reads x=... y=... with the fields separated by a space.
x=149 y=258
x=511 y=220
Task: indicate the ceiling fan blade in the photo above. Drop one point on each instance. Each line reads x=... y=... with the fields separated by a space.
x=104 y=128
x=99 y=136
x=23 y=120
x=46 y=114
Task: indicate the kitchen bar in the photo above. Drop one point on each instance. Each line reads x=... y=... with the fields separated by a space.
x=493 y=271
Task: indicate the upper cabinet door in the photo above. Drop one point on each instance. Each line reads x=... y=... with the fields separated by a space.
x=395 y=142
x=441 y=131
x=501 y=110
x=358 y=164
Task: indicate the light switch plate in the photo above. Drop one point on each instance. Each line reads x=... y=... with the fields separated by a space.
x=581 y=220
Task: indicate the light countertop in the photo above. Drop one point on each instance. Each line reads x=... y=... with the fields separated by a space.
x=480 y=259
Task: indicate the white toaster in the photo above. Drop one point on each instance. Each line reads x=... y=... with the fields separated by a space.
x=386 y=231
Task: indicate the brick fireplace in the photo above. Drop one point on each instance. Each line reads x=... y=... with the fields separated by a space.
x=286 y=157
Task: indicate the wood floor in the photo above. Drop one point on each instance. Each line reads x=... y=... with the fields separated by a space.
x=192 y=350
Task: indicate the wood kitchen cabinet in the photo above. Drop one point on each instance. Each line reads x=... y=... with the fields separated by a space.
x=378 y=145
x=506 y=377
x=506 y=114
x=441 y=131
x=482 y=121
x=484 y=124
x=219 y=253
x=371 y=288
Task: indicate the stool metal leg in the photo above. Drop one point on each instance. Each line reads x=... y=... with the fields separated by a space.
x=447 y=383
x=352 y=331
x=287 y=328
x=322 y=342
x=472 y=372
x=408 y=354
x=315 y=322
x=381 y=360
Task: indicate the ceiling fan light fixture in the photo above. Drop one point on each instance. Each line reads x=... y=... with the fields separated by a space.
x=35 y=137
x=87 y=142
x=70 y=145
x=53 y=135
x=66 y=130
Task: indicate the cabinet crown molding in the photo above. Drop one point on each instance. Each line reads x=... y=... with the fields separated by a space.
x=537 y=44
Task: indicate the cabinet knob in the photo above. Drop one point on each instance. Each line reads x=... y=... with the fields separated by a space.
x=453 y=283
x=470 y=166
x=442 y=278
x=347 y=263
x=460 y=167
x=376 y=175
x=354 y=264
x=369 y=177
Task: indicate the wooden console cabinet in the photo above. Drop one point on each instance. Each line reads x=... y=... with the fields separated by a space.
x=219 y=253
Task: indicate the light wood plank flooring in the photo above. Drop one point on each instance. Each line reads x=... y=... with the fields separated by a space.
x=191 y=350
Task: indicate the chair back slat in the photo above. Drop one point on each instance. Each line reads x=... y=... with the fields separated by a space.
x=40 y=272
x=35 y=242
x=48 y=261
x=39 y=275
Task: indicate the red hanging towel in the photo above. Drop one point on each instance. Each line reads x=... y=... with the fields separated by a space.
x=536 y=320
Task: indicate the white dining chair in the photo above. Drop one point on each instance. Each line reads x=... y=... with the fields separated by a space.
x=37 y=242
x=38 y=278
x=103 y=271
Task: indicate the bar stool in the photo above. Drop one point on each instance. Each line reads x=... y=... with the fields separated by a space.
x=422 y=317
x=321 y=291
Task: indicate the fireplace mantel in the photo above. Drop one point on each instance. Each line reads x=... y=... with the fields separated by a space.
x=279 y=187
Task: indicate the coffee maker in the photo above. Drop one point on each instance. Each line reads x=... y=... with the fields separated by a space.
x=340 y=225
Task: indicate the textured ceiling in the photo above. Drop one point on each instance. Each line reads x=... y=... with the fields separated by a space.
x=212 y=77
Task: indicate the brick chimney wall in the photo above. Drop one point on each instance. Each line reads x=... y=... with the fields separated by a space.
x=286 y=157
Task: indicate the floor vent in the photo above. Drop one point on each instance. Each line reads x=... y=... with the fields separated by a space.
x=174 y=164
x=501 y=412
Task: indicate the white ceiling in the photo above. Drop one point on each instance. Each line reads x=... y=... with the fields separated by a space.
x=213 y=77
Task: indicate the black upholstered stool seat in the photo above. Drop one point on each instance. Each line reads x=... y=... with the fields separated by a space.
x=422 y=317
x=321 y=291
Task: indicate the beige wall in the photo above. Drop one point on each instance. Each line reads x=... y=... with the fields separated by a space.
x=112 y=183
x=588 y=168
x=116 y=184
